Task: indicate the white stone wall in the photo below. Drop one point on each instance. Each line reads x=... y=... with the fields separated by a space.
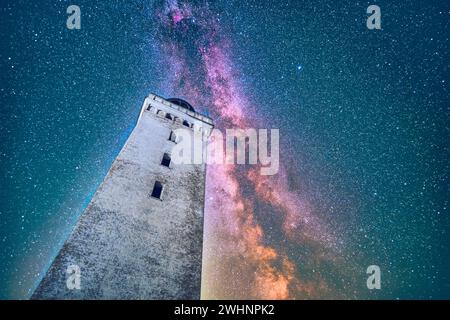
x=128 y=244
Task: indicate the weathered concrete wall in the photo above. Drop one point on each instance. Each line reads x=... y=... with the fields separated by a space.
x=127 y=244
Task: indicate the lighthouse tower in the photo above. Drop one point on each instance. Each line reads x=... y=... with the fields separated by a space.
x=141 y=235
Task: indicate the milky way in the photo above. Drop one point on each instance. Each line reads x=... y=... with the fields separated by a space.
x=238 y=261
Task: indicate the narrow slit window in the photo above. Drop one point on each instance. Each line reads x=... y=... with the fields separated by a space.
x=166 y=160
x=169 y=116
x=157 y=190
x=185 y=123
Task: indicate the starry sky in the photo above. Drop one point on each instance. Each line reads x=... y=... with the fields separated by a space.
x=363 y=118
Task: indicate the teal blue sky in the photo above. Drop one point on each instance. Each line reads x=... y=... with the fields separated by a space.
x=364 y=116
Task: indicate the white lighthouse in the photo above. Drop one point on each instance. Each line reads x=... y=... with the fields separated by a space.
x=141 y=235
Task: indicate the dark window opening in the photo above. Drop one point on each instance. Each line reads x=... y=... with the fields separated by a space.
x=157 y=190
x=173 y=136
x=166 y=160
x=185 y=123
x=168 y=116
x=149 y=107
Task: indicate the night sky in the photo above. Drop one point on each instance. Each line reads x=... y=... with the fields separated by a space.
x=364 y=128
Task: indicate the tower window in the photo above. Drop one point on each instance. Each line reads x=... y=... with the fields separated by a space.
x=185 y=123
x=166 y=160
x=173 y=136
x=157 y=190
x=168 y=116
